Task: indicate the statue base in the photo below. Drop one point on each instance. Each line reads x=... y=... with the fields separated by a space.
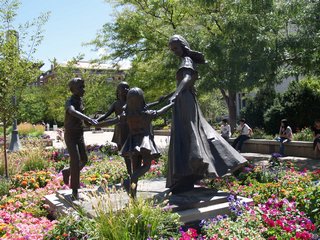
x=192 y=206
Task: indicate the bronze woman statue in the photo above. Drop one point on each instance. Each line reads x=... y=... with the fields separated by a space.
x=196 y=150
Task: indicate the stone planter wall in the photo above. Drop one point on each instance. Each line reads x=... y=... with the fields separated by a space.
x=264 y=146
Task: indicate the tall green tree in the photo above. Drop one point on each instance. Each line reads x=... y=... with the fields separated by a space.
x=16 y=67
x=98 y=96
x=298 y=104
x=302 y=44
x=32 y=105
x=244 y=42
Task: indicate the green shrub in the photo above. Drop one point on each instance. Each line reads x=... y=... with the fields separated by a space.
x=261 y=134
x=73 y=226
x=306 y=134
x=256 y=106
x=139 y=220
x=4 y=186
x=33 y=158
x=35 y=162
x=27 y=129
x=300 y=98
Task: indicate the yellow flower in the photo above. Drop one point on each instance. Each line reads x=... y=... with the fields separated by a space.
x=18 y=177
x=106 y=176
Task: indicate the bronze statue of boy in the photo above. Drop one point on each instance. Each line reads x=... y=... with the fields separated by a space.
x=73 y=135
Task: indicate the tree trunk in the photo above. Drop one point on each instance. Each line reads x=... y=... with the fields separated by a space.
x=5 y=149
x=230 y=99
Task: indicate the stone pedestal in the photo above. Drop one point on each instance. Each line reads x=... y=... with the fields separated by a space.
x=192 y=206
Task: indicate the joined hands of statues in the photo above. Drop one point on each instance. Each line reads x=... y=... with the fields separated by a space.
x=93 y=121
x=172 y=99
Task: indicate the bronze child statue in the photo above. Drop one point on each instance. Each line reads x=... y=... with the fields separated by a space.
x=121 y=130
x=139 y=147
x=73 y=135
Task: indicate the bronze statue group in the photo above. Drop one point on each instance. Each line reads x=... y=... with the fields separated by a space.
x=196 y=150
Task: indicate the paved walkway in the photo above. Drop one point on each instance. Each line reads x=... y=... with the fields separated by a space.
x=101 y=137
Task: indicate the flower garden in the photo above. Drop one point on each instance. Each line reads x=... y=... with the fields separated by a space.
x=286 y=201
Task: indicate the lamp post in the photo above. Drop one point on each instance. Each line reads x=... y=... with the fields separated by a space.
x=15 y=144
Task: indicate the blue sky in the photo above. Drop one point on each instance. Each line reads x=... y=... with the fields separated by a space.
x=71 y=23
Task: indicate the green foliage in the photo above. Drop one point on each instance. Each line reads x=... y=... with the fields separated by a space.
x=256 y=106
x=30 y=130
x=32 y=105
x=56 y=92
x=245 y=43
x=212 y=105
x=139 y=220
x=247 y=226
x=33 y=159
x=16 y=50
x=4 y=186
x=9 y=130
x=98 y=97
x=306 y=134
x=303 y=48
x=313 y=205
x=35 y=162
x=99 y=93
x=110 y=170
x=73 y=226
x=259 y=133
x=300 y=97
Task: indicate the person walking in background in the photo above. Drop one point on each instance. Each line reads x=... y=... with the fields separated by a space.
x=73 y=135
x=285 y=134
x=225 y=129
x=316 y=137
x=245 y=133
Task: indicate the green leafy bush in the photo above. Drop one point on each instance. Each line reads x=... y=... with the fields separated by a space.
x=139 y=220
x=73 y=226
x=4 y=186
x=259 y=133
x=306 y=134
x=301 y=97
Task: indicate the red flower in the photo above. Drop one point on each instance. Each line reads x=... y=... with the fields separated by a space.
x=272 y=238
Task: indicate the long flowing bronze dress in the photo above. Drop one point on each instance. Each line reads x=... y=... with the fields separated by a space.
x=196 y=150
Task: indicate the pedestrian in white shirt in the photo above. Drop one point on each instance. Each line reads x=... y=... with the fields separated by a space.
x=285 y=134
x=245 y=133
x=225 y=129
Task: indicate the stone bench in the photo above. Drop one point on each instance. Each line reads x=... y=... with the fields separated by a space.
x=265 y=146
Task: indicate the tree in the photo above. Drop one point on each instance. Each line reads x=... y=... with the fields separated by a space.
x=257 y=106
x=16 y=68
x=243 y=41
x=302 y=44
x=300 y=98
x=32 y=105
x=98 y=96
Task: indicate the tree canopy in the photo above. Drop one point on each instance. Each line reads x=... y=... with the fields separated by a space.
x=246 y=43
x=16 y=67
